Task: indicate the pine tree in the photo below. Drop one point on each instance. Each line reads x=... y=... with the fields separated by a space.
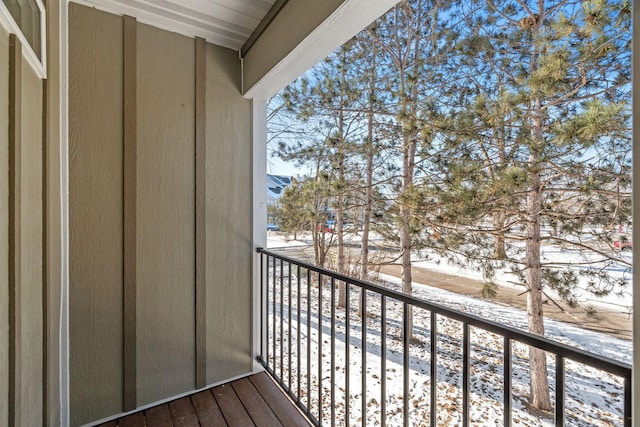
x=524 y=154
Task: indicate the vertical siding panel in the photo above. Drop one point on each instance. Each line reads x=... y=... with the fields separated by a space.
x=229 y=206
x=44 y=315
x=15 y=230
x=4 y=229
x=201 y=213
x=31 y=265
x=129 y=214
x=165 y=214
x=95 y=213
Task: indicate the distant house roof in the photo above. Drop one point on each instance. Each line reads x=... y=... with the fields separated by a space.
x=275 y=187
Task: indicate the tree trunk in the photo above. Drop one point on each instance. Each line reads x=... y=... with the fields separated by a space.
x=342 y=291
x=499 y=243
x=499 y=251
x=339 y=223
x=537 y=358
x=366 y=219
x=539 y=387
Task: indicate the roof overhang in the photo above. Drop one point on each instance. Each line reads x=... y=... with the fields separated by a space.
x=300 y=35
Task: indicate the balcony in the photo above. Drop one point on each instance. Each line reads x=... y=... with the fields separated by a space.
x=455 y=369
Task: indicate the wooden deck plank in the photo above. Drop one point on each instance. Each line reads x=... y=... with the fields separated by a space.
x=255 y=405
x=232 y=408
x=183 y=413
x=207 y=409
x=158 y=416
x=286 y=412
x=133 y=420
x=252 y=401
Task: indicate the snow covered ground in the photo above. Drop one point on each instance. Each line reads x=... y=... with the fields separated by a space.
x=593 y=398
x=620 y=300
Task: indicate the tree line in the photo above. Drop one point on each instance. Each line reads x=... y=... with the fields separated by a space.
x=482 y=130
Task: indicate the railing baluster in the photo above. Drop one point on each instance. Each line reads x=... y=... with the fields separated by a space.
x=320 y=348
x=628 y=401
x=559 y=391
x=363 y=377
x=434 y=368
x=281 y=319
x=308 y=341
x=298 y=329
x=347 y=351
x=289 y=336
x=383 y=362
x=507 y=381
x=406 y=335
x=333 y=351
x=466 y=361
x=262 y=322
x=274 y=316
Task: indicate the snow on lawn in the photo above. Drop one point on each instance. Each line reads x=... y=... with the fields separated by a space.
x=300 y=323
x=618 y=300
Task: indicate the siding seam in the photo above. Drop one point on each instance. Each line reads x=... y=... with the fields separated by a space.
x=200 y=213
x=129 y=213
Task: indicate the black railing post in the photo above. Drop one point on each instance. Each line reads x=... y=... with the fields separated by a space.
x=274 y=315
x=347 y=351
x=282 y=319
x=383 y=362
x=628 y=401
x=466 y=362
x=363 y=377
x=434 y=369
x=262 y=299
x=559 y=391
x=406 y=336
x=308 y=341
x=320 y=348
x=298 y=328
x=333 y=352
x=289 y=304
x=507 y=382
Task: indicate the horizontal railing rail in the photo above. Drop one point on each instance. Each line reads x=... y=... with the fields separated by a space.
x=287 y=333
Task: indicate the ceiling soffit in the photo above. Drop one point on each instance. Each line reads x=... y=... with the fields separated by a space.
x=227 y=23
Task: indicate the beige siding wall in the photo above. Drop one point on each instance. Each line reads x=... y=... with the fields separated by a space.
x=165 y=214
x=95 y=211
x=160 y=344
x=4 y=227
x=31 y=286
x=21 y=240
x=229 y=201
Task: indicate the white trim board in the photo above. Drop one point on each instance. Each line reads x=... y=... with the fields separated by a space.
x=7 y=21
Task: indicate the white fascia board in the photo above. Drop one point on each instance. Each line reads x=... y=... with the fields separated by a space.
x=348 y=19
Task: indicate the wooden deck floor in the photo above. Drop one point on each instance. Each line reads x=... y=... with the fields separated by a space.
x=251 y=401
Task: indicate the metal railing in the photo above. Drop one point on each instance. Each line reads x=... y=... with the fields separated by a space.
x=342 y=368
